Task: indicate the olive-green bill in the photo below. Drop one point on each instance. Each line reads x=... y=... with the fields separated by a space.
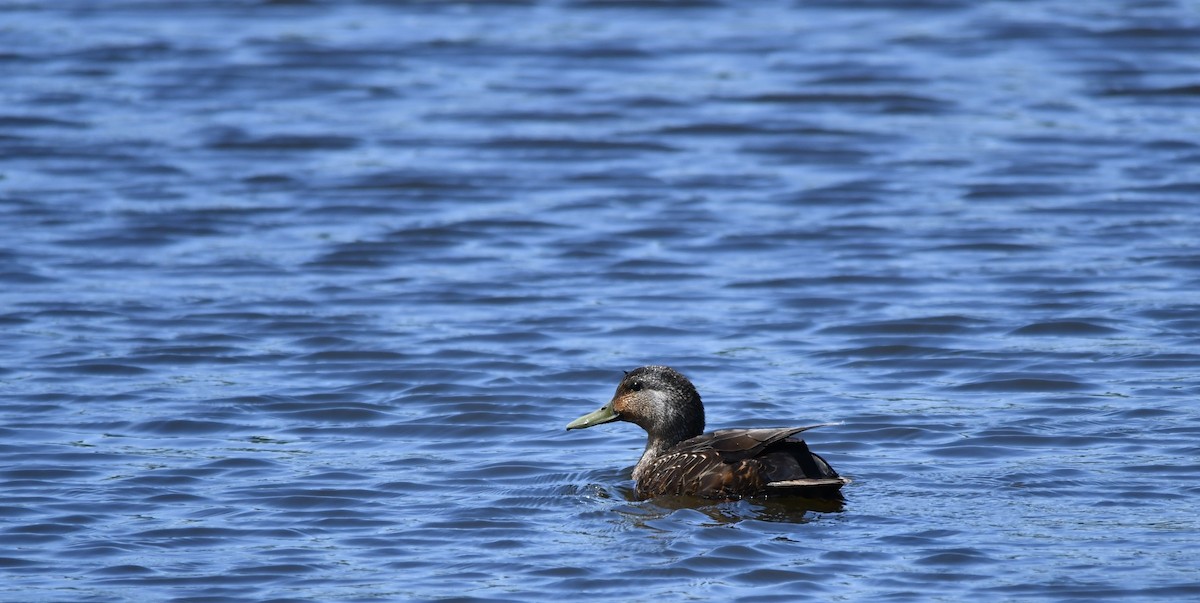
x=606 y=414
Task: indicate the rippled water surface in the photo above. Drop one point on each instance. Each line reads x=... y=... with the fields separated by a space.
x=297 y=297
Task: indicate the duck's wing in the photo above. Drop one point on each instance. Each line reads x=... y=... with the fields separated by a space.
x=737 y=462
x=738 y=444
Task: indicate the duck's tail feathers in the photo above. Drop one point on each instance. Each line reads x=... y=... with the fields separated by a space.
x=821 y=487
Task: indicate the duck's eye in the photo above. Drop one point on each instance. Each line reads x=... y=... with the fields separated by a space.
x=636 y=386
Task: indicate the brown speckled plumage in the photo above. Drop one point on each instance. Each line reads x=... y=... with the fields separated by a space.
x=726 y=464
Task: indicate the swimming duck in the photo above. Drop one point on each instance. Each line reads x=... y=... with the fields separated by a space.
x=726 y=464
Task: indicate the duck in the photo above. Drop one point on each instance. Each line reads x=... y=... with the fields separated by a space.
x=729 y=464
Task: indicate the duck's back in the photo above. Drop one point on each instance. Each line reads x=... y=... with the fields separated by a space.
x=735 y=463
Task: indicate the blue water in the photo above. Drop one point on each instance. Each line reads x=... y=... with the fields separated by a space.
x=297 y=297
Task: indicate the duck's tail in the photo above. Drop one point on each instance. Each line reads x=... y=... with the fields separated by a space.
x=820 y=487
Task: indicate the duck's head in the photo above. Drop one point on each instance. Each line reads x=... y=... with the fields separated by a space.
x=657 y=399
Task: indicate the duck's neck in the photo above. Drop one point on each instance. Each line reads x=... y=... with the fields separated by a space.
x=654 y=448
x=659 y=442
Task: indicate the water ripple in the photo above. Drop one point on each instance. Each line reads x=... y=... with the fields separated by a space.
x=300 y=296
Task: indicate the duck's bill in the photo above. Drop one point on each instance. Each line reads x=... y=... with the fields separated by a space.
x=604 y=415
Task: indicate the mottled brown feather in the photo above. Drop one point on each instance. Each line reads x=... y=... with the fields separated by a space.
x=735 y=463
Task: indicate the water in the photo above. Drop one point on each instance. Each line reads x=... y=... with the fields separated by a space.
x=297 y=297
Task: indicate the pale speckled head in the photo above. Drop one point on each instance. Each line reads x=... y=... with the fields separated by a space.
x=656 y=398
